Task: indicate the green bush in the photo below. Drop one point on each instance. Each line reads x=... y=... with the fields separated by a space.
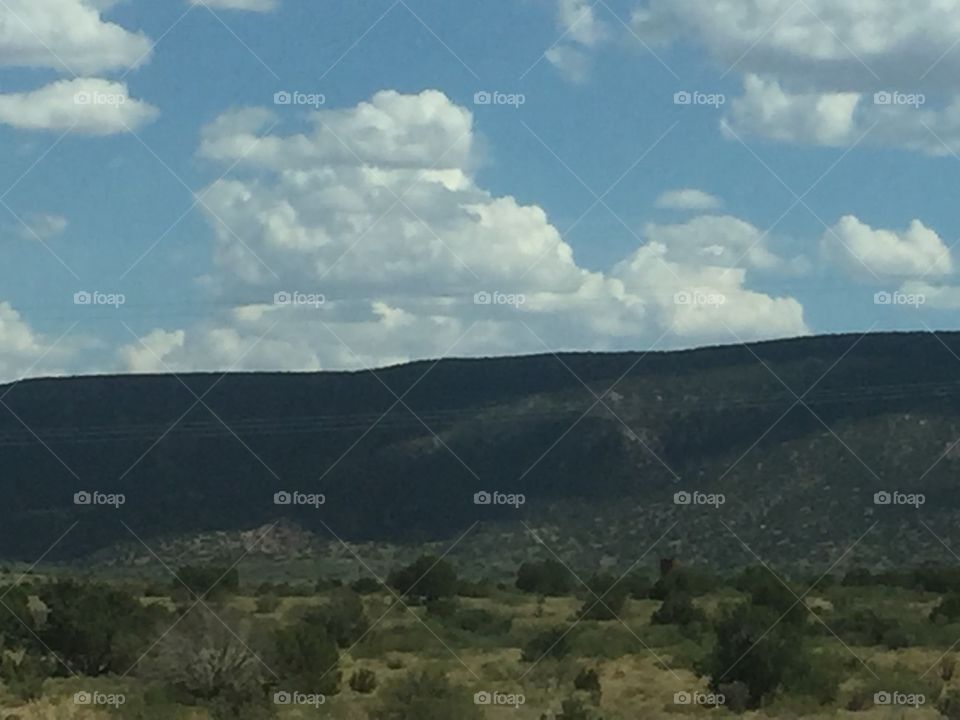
x=442 y=608
x=208 y=582
x=553 y=643
x=588 y=680
x=753 y=648
x=429 y=578
x=483 y=622
x=947 y=610
x=606 y=599
x=425 y=695
x=367 y=586
x=363 y=681
x=96 y=629
x=547 y=577
x=677 y=609
x=305 y=657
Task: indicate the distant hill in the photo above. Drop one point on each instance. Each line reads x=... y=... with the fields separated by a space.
x=598 y=443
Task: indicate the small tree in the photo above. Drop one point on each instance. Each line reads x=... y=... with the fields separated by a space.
x=548 y=577
x=764 y=588
x=208 y=582
x=429 y=578
x=588 y=680
x=95 y=628
x=17 y=621
x=306 y=656
x=346 y=621
x=947 y=610
x=550 y=643
x=677 y=609
x=756 y=650
x=363 y=681
x=425 y=695
x=605 y=600
x=207 y=660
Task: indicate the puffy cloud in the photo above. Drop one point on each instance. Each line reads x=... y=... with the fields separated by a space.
x=148 y=354
x=820 y=118
x=862 y=250
x=815 y=42
x=248 y=5
x=66 y=35
x=23 y=350
x=937 y=297
x=812 y=69
x=708 y=302
x=376 y=208
x=581 y=28
x=724 y=241
x=88 y=106
x=688 y=199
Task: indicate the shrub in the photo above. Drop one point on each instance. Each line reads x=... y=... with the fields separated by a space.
x=483 y=622
x=425 y=695
x=306 y=656
x=428 y=578
x=606 y=599
x=677 y=609
x=947 y=610
x=736 y=696
x=267 y=604
x=548 y=577
x=344 y=617
x=551 y=643
x=767 y=590
x=443 y=608
x=949 y=705
x=588 y=680
x=756 y=650
x=947 y=667
x=24 y=677
x=208 y=582
x=367 y=586
x=638 y=585
x=94 y=628
x=205 y=660
x=363 y=681
x=682 y=579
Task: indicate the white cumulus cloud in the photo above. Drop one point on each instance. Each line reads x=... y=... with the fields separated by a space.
x=88 y=106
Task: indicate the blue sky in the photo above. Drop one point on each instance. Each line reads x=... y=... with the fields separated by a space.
x=150 y=166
